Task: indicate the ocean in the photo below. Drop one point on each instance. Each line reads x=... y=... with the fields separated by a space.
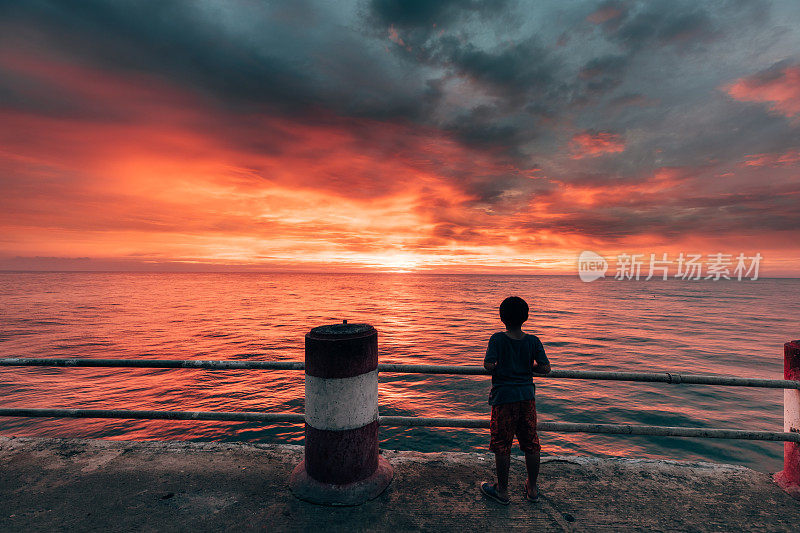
x=709 y=327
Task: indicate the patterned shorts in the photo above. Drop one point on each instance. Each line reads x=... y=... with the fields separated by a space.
x=516 y=418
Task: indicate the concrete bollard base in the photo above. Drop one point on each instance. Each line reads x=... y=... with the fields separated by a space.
x=309 y=489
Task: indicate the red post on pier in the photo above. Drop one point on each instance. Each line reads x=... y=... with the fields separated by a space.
x=789 y=478
x=341 y=464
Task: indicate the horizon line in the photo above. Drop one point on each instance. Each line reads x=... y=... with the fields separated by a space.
x=370 y=272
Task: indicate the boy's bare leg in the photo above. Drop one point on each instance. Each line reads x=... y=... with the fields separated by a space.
x=503 y=464
x=532 y=464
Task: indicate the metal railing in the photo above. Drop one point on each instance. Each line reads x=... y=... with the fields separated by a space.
x=675 y=378
x=395 y=421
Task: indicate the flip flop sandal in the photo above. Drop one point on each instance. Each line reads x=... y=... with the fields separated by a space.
x=527 y=496
x=491 y=492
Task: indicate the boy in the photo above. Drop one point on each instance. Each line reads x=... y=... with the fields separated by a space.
x=512 y=357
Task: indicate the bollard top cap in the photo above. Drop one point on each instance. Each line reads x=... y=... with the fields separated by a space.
x=341 y=331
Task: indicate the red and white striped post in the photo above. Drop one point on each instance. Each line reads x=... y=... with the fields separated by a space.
x=789 y=478
x=341 y=465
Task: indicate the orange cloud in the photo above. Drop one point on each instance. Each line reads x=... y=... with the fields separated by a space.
x=156 y=174
x=659 y=184
x=780 y=87
x=594 y=144
x=792 y=157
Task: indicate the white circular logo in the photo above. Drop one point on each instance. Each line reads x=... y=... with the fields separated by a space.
x=591 y=266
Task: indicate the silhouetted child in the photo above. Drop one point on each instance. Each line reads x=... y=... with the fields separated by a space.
x=512 y=357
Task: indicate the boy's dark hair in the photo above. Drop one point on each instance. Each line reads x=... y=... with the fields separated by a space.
x=513 y=312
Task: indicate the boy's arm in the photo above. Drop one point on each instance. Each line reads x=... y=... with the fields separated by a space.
x=490 y=361
x=541 y=365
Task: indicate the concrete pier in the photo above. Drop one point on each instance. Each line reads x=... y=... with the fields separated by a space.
x=80 y=485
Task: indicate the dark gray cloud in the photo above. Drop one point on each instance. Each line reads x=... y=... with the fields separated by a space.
x=245 y=65
x=483 y=128
x=520 y=69
x=294 y=70
x=604 y=73
x=679 y=23
x=431 y=13
x=172 y=39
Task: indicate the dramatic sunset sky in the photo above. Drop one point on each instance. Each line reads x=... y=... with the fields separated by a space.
x=443 y=136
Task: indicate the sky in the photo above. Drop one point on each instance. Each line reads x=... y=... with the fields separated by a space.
x=380 y=135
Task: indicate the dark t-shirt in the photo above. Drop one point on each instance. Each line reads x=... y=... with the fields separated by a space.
x=512 y=379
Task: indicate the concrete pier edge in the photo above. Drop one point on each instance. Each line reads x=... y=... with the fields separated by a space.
x=60 y=484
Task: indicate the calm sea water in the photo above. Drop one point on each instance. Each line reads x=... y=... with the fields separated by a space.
x=735 y=328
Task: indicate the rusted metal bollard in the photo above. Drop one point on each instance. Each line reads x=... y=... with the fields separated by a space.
x=341 y=465
x=789 y=478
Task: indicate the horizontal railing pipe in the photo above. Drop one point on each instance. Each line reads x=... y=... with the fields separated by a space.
x=647 y=377
x=224 y=416
x=156 y=363
x=462 y=370
x=676 y=378
x=400 y=421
